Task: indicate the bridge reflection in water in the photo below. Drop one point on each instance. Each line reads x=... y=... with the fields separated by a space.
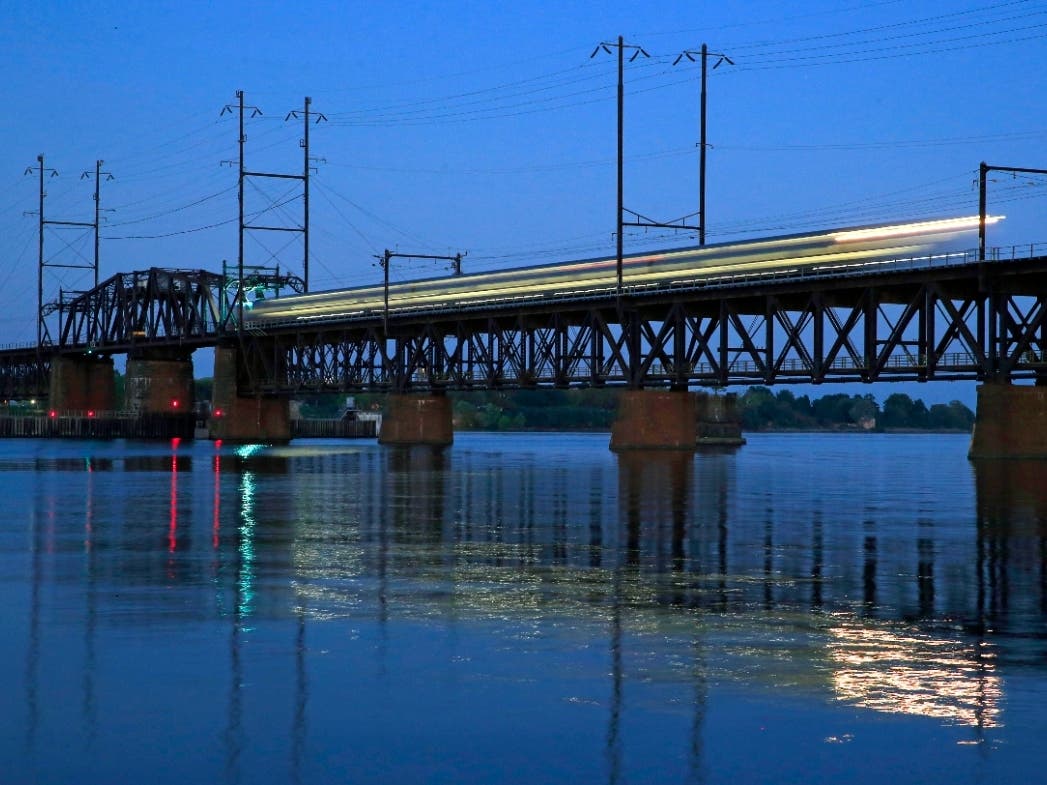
x=674 y=578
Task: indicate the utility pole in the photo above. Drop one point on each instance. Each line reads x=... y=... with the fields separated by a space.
x=637 y=50
x=983 y=171
x=41 y=326
x=98 y=206
x=245 y=173
x=388 y=256
x=255 y=112
x=702 y=144
x=306 y=168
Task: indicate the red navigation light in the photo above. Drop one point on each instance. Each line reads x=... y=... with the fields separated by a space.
x=217 y=412
x=52 y=413
x=174 y=403
x=91 y=413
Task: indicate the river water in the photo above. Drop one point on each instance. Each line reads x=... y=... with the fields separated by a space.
x=522 y=609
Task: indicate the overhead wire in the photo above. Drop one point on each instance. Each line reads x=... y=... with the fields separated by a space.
x=560 y=89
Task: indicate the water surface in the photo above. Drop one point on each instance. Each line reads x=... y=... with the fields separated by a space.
x=522 y=608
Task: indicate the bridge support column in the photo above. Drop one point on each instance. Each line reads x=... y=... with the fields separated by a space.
x=1011 y=422
x=655 y=420
x=718 y=421
x=417 y=420
x=82 y=383
x=244 y=419
x=159 y=384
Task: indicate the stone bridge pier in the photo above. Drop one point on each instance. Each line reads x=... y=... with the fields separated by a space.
x=675 y=420
x=159 y=382
x=244 y=419
x=417 y=420
x=1011 y=422
x=82 y=383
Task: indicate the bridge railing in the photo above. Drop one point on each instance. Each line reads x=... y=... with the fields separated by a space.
x=738 y=368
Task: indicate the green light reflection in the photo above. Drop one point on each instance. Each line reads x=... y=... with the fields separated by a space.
x=245 y=580
x=247 y=450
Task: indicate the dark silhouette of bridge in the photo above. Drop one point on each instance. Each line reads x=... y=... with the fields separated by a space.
x=933 y=318
x=943 y=317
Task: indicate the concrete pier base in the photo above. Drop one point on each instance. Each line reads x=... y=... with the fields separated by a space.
x=655 y=420
x=417 y=420
x=718 y=421
x=1011 y=422
x=82 y=384
x=252 y=419
x=159 y=386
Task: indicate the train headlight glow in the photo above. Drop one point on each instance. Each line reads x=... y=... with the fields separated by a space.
x=919 y=227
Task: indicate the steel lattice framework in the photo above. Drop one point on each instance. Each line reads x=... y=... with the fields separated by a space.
x=25 y=373
x=155 y=306
x=149 y=311
x=970 y=321
x=974 y=321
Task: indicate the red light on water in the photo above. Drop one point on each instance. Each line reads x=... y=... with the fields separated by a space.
x=91 y=413
x=175 y=441
x=217 y=412
x=52 y=413
x=174 y=404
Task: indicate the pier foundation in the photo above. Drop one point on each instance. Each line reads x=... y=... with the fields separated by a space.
x=417 y=420
x=1010 y=422
x=655 y=420
x=159 y=383
x=244 y=419
x=718 y=422
x=83 y=383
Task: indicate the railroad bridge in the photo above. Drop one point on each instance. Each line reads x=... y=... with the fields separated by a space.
x=959 y=316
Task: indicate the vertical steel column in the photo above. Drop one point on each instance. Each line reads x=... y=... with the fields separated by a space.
x=386 y=257
x=983 y=169
x=681 y=371
x=701 y=155
x=724 y=344
x=240 y=246
x=770 y=305
x=871 y=348
x=995 y=330
x=40 y=266
x=818 y=315
x=621 y=142
x=928 y=331
x=98 y=210
x=305 y=198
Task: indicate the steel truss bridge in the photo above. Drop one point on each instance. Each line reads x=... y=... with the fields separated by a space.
x=935 y=318
x=951 y=317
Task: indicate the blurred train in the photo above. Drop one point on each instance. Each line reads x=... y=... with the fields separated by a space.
x=816 y=251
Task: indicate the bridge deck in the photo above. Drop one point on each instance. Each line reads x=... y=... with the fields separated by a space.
x=931 y=317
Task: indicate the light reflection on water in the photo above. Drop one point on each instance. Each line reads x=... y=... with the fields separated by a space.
x=522 y=608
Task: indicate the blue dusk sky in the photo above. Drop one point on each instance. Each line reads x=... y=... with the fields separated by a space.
x=486 y=128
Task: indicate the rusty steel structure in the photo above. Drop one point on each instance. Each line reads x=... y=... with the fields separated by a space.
x=25 y=372
x=154 y=310
x=961 y=318
x=957 y=319
x=157 y=306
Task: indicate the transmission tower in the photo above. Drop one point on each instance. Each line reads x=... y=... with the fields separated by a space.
x=308 y=117
x=43 y=334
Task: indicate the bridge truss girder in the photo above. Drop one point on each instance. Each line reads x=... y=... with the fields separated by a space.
x=25 y=374
x=907 y=327
x=154 y=306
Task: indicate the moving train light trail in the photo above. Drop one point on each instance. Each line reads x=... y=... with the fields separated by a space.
x=816 y=251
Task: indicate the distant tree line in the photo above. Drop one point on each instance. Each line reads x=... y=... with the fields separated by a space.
x=498 y=410
x=760 y=408
x=763 y=409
